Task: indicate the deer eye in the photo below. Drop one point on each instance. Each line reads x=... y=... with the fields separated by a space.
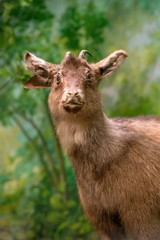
x=89 y=76
x=58 y=79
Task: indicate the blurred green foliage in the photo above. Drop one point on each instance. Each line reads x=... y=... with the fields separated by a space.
x=39 y=198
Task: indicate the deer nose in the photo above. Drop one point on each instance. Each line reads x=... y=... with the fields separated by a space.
x=72 y=96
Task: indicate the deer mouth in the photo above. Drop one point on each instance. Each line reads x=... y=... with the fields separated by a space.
x=73 y=106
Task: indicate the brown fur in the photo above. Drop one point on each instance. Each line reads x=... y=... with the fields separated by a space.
x=116 y=161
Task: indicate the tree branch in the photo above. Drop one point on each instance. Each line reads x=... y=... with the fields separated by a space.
x=6 y=84
x=59 y=153
x=45 y=148
x=33 y=144
x=43 y=141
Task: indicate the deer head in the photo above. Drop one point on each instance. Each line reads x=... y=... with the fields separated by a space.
x=74 y=82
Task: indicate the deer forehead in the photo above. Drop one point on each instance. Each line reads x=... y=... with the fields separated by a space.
x=74 y=76
x=74 y=70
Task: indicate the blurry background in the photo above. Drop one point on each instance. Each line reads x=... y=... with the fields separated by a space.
x=38 y=195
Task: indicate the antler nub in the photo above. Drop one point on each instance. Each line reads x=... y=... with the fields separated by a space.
x=83 y=53
x=68 y=54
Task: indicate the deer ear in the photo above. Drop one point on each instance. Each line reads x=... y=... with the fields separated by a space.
x=111 y=63
x=37 y=82
x=41 y=70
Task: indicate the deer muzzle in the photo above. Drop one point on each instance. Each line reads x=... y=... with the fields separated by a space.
x=72 y=101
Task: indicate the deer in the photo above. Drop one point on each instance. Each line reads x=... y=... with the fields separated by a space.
x=116 y=160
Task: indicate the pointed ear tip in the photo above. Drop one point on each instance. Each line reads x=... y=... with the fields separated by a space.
x=25 y=86
x=27 y=55
x=125 y=54
x=121 y=52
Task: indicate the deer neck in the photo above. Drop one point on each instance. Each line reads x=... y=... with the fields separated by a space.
x=97 y=135
x=93 y=147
